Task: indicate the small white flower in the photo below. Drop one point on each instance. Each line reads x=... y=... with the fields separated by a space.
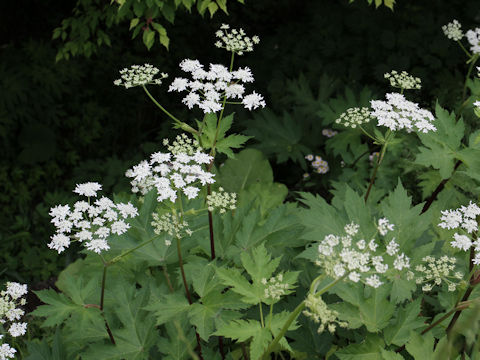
x=88 y=189
x=473 y=37
x=59 y=242
x=462 y=242
x=253 y=101
x=453 y=30
x=18 y=329
x=139 y=75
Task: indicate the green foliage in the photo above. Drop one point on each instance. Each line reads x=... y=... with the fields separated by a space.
x=83 y=33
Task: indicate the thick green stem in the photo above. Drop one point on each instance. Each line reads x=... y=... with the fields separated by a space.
x=261 y=315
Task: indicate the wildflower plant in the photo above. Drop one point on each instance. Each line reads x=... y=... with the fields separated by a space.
x=203 y=259
x=12 y=301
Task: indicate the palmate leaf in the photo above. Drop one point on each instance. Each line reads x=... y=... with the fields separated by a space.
x=249 y=167
x=406 y=321
x=222 y=143
x=374 y=311
x=213 y=311
x=259 y=263
x=251 y=293
x=443 y=147
x=180 y=341
x=370 y=349
x=280 y=136
x=60 y=308
x=167 y=307
x=410 y=224
x=137 y=333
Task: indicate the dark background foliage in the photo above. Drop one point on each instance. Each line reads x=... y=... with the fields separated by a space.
x=63 y=123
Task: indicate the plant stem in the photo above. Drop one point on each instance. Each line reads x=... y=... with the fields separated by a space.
x=169 y=283
x=261 y=315
x=467 y=293
x=463 y=48
x=210 y=226
x=160 y=106
x=438 y=189
x=473 y=60
x=377 y=165
x=102 y=297
x=366 y=133
x=117 y=258
x=244 y=351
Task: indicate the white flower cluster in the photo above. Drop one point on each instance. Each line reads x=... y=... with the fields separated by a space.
x=354 y=117
x=207 y=89
x=235 y=40
x=384 y=226
x=221 y=200
x=275 y=287
x=319 y=312
x=89 y=223
x=359 y=260
x=139 y=75
x=453 y=30
x=172 y=172
x=320 y=165
x=398 y=113
x=6 y=351
x=329 y=133
x=464 y=219
x=171 y=225
x=436 y=271
x=473 y=37
x=403 y=80
x=11 y=300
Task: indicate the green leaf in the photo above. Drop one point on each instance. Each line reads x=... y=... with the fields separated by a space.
x=234 y=141
x=370 y=349
x=251 y=293
x=421 y=346
x=213 y=311
x=180 y=343
x=377 y=311
x=168 y=307
x=259 y=263
x=148 y=38
x=442 y=147
x=242 y=330
x=409 y=221
x=133 y=23
x=278 y=136
x=406 y=321
x=248 y=167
